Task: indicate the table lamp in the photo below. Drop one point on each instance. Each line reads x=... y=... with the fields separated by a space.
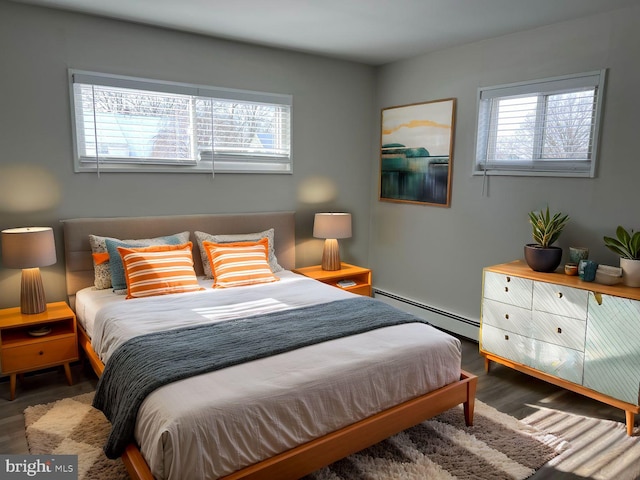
x=29 y=248
x=331 y=227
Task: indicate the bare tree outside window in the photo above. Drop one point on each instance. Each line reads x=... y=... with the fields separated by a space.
x=237 y=126
x=178 y=124
x=568 y=129
x=564 y=129
x=543 y=127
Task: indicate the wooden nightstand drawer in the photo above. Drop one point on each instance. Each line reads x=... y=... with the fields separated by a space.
x=361 y=290
x=38 y=355
x=21 y=351
x=359 y=277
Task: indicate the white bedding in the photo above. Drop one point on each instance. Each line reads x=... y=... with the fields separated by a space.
x=213 y=424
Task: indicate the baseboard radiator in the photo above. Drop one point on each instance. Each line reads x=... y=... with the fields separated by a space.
x=441 y=319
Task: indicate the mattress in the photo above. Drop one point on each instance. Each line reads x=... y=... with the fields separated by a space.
x=213 y=424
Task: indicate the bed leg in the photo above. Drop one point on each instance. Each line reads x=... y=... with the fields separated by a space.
x=134 y=462
x=469 y=405
x=468 y=411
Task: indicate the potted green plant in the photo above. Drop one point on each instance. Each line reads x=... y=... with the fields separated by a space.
x=627 y=246
x=542 y=256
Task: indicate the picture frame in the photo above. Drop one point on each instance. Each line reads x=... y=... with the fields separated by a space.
x=416 y=152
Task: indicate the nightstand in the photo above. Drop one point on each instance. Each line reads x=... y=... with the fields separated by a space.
x=34 y=342
x=361 y=276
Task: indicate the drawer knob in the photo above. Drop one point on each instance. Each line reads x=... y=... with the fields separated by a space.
x=559 y=330
x=506 y=337
x=506 y=289
x=508 y=279
x=40 y=352
x=559 y=294
x=506 y=316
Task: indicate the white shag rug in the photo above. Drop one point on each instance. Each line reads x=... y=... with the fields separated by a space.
x=496 y=447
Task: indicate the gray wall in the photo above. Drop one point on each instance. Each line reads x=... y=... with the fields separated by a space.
x=333 y=116
x=430 y=254
x=436 y=255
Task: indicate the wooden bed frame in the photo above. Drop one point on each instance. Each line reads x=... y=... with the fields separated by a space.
x=300 y=460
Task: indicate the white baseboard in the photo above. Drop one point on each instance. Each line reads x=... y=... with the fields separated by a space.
x=447 y=321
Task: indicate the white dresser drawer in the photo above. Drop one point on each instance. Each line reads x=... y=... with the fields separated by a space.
x=561 y=362
x=560 y=300
x=505 y=344
x=563 y=331
x=508 y=289
x=506 y=316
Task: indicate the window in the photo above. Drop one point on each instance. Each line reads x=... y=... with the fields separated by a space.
x=132 y=124
x=544 y=127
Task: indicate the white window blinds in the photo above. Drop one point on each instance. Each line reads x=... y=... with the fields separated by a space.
x=544 y=127
x=129 y=124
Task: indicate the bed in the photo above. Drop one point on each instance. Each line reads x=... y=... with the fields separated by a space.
x=279 y=416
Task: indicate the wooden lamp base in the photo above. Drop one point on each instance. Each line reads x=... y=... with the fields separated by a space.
x=331 y=255
x=32 y=299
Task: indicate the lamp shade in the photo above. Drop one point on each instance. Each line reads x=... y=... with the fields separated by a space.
x=28 y=247
x=332 y=225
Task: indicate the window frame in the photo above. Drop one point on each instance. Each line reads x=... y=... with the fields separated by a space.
x=221 y=163
x=544 y=87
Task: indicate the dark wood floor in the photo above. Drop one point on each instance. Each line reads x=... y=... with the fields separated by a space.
x=34 y=389
x=504 y=389
x=510 y=391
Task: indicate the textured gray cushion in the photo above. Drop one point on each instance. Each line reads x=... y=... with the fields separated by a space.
x=243 y=237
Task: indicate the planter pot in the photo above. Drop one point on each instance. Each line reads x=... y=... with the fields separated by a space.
x=542 y=259
x=630 y=272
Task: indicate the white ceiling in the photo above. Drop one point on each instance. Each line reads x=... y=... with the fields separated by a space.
x=369 y=31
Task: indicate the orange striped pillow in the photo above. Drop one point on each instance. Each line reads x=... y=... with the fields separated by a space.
x=239 y=263
x=159 y=270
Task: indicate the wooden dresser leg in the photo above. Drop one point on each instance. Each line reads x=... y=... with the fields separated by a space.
x=487 y=363
x=630 y=421
x=67 y=372
x=12 y=386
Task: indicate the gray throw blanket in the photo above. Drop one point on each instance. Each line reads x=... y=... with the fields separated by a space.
x=145 y=363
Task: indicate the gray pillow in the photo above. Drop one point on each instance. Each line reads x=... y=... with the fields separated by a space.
x=243 y=237
x=98 y=244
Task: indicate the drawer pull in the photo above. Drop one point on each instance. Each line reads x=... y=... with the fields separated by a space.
x=40 y=352
x=559 y=330
x=506 y=316
x=559 y=294
x=506 y=289
x=506 y=337
x=508 y=279
x=598 y=297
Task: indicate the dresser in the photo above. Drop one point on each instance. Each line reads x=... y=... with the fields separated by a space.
x=582 y=336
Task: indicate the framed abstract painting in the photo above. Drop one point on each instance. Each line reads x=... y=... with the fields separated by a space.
x=416 y=152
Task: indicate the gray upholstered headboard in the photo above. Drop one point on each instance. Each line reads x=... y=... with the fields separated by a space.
x=79 y=262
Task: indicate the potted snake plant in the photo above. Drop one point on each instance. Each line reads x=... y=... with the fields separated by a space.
x=543 y=256
x=627 y=246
